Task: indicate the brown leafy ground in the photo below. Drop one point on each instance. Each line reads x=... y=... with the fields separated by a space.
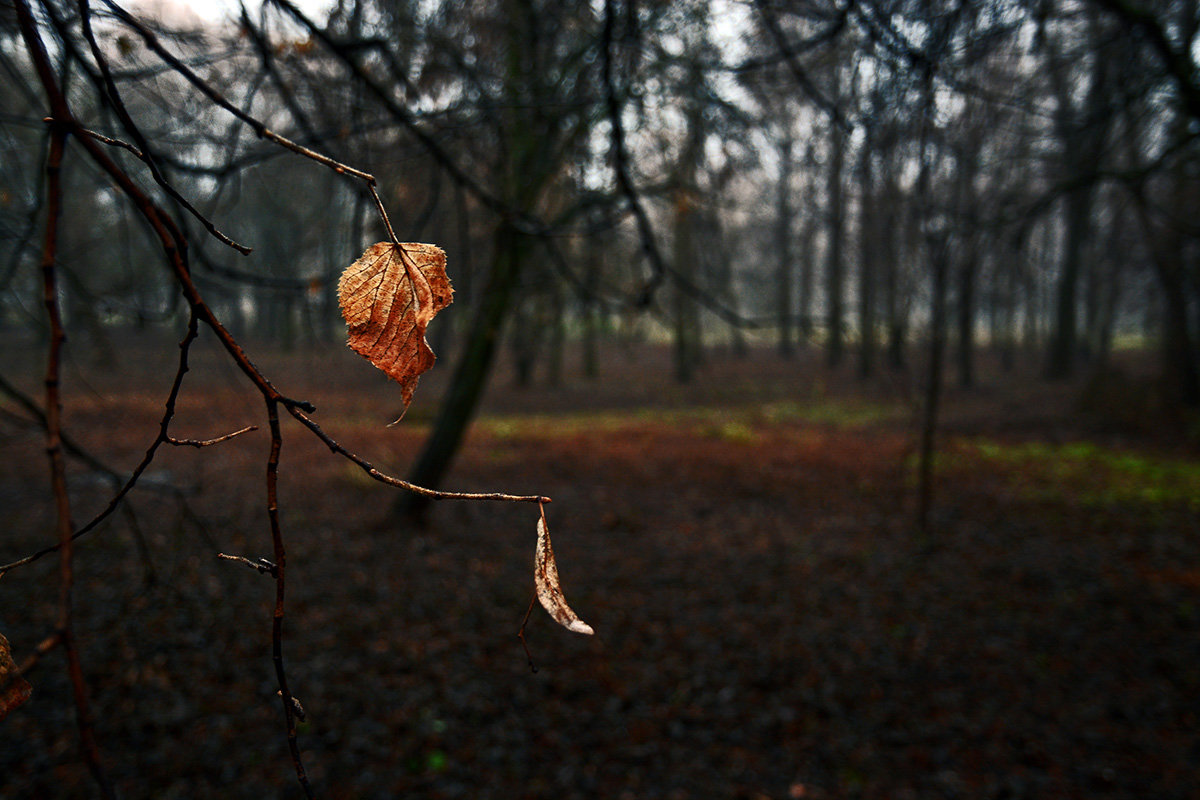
x=768 y=623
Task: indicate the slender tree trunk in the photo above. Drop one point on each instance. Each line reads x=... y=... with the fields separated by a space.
x=525 y=340
x=783 y=246
x=1179 y=349
x=968 y=265
x=686 y=314
x=470 y=373
x=591 y=312
x=1082 y=133
x=868 y=262
x=686 y=200
x=906 y=237
x=966 y=320
x=935 y=240
x=1177 y=341
x=804 y=310
x=558 y=336
x=933 y=383
x=1007 y=303
x=834 y=269
x=1063 y=345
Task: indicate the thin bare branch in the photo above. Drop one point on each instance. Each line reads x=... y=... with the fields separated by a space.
x=262 y=565
x=280 y=573
x=209 y=442
x=131 y=481
x=54 y=446
x=143 y=153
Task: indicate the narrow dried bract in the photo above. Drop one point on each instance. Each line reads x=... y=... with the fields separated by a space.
x=549 y=592
x=14 y=689
x=388 y=298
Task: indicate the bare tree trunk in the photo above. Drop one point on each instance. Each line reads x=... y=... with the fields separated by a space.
x=834 y=269
x=908 y=237
x=1082 y=133
x=935 y=239
x=470 y=373
x=686 y=201
x=939 y=257
x=968 y=261
x=558 y=335
x=783 y=244
x=804 y=312
x=686 y=314
x=1063 y=346
x=868 y=234
x=591 y=312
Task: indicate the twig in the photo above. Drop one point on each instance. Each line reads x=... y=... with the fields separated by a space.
x=260 y=129
x=262 y=565
x=521 y=634
x=209 y=442
x=144 y=153
x=164 y=423
x=621 y=160
x=390 y=480
x=289 y=712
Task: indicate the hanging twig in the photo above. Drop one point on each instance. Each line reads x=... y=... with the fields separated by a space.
x=279 y=573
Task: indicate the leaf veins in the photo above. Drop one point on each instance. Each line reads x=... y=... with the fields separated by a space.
x=388 y=297
x=549 y=591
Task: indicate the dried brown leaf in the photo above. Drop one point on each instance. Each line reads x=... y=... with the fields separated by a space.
x=14 y=690
x=388 y=297
x=549 y=591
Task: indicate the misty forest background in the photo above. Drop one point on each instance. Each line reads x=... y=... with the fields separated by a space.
x=789 y=173
x=885 y=221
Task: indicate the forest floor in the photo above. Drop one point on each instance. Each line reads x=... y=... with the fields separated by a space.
x=769 y=622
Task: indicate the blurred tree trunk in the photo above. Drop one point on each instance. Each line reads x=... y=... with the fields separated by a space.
x=868 y=258
x=1168 y=253
x=969 y=238
x=938 y=251
x=590 y=309
x=685 y=311
x=807 y=257
x=684 y=220
x=785 y=273
x=535 y=129
x=1006 y=279
x=524 y=338
x=558 y=334
x=1108 y=291
x=908 y=239
x=1082 y=133
x=472 y=370
x=836 y=230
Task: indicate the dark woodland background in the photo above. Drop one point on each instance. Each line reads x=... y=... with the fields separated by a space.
x=855 y=343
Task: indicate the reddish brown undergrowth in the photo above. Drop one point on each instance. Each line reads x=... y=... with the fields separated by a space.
x=768 y=624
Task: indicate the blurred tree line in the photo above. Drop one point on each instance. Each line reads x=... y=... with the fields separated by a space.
x=860 y=175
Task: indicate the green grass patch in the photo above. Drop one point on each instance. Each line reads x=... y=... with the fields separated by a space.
x=734 y=424
x=837 y=413
x=1091 y=474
